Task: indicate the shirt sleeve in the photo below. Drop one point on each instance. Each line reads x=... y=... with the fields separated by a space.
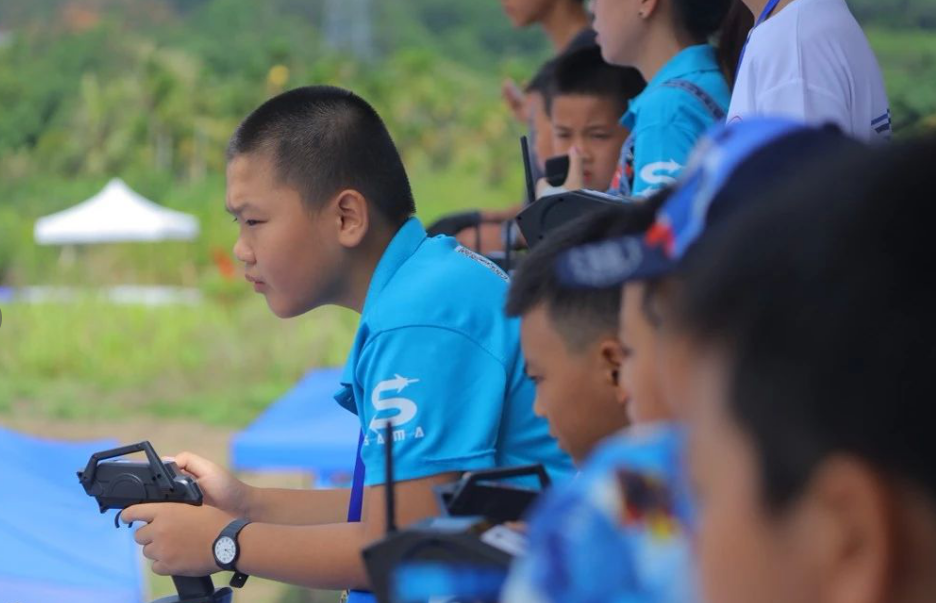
x=799 y=100
x=661 y=152
x=443 y=393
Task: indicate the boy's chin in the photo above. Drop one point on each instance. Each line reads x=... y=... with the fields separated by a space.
x=284 y=310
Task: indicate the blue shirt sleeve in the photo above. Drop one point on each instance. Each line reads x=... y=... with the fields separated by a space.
x=661 y=152
x=444 y=394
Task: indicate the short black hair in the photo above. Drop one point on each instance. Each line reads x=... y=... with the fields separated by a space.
x=324 y=139
x=822 y=298
x=585 y=72
x=542 y=81
x=579 y=315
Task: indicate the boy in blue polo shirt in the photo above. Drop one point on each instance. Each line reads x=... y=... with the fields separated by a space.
x=623 y=530
x=324 y=208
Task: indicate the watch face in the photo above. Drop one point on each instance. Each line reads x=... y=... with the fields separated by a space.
x=225 y=549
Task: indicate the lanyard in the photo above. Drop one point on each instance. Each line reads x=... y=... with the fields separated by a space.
x=357 y=486
x=771 y=5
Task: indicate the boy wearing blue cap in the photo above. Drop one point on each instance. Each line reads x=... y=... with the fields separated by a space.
x=631 y=502
x=324 y=209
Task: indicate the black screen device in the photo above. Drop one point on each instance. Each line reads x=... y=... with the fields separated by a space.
x=485 y=494
x=557 y=170
x=548 y=213
x=541 y=216
x=118 y=484
x=460 y=537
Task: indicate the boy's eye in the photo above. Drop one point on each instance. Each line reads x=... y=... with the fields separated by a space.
x=251 y=222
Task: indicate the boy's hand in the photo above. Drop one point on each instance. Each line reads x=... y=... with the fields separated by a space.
x=515 y=100
x=220 y=487
x=178 y=537
x=575 y=180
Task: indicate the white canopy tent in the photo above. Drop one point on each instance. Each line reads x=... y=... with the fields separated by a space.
x=115 y=215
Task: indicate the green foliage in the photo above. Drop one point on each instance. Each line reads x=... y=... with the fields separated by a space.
x=909 y=62
x=150 y=90
x=910 y=14
x=220 y=364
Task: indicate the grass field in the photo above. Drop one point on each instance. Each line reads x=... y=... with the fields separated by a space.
x=220 y=362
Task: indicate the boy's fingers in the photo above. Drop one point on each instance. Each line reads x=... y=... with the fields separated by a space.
x=574 y=181
x=144 y=512
x=193 y=464
x=143 y=535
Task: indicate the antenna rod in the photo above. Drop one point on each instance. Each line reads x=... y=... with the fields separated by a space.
x=528 y=169
x=390 y=494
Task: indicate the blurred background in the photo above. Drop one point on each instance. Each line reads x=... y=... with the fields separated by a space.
x=149 y=91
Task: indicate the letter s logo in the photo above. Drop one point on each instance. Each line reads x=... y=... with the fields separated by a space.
x=661 y=173
x=406 y=408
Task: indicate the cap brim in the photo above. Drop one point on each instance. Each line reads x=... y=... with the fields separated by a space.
x=613 y=262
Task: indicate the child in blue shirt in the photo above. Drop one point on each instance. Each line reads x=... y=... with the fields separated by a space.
x=810 y=448
x=623 y=530
x=686 y=92
x=324 y=208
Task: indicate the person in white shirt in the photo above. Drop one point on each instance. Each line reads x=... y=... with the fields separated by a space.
x=810 y=60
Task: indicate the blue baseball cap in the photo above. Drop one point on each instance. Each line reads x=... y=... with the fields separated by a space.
x=728 y=169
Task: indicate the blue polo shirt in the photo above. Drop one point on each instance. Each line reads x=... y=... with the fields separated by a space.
x=682 y=101
x=436 y=355
x=621 y=531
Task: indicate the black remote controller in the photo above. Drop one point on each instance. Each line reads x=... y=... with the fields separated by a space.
x=118 y=484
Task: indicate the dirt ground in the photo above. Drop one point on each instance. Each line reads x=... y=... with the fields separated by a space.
x=171 y=437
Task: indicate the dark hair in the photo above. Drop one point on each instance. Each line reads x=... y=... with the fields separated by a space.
x=579 y=315
x=542 y=81
x=732 y=37
x=730 y=19
x=822 y=298
x=324 y=139
x=584 y=72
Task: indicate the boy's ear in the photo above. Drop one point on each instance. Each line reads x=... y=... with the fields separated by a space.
x=647 y=8
x=854 y=535
x=350 y=211
x=611 y=355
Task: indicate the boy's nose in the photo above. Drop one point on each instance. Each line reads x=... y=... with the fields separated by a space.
x=538 y=407
x=243 y=252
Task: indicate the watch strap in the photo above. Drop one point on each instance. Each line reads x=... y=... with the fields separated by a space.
x=231 y=531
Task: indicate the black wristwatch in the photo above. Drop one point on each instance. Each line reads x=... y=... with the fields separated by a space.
x=226 y=550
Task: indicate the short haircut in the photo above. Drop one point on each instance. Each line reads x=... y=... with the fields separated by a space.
x=579 y=315
x=584 y=72
x=324 y=139
x=542 y=81
x=822 y=299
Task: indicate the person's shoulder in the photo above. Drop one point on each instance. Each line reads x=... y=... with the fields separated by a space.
x=684 y=102
x=444 y=285
x=806 y=24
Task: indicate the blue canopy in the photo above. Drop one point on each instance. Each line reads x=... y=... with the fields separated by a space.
x=305 y=430
x=54 y=545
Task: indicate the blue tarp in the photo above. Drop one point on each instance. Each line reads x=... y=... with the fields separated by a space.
x=305 y=430
x=55 y=547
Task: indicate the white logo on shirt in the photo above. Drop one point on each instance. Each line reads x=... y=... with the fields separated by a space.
x=406 y=409
x=660 y=173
